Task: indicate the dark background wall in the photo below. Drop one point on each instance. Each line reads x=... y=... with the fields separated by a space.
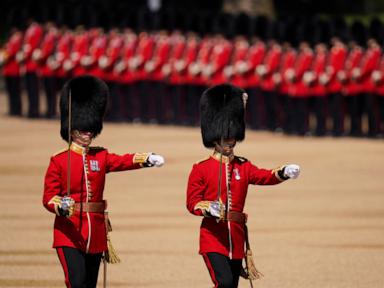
x=199 y=14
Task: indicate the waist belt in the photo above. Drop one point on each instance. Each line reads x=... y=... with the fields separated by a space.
x=92 y=207
x=238 y=217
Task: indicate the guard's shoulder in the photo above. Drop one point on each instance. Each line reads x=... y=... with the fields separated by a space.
x=60 y=152
x=96 y=148
x=203 y=160
x=241 y=159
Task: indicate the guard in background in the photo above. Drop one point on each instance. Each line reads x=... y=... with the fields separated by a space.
x=46 y=71
x=27 y=58
x=335 y=65
x=217 y=186
x=318 y=87
x=75 y=179
x=11 y=71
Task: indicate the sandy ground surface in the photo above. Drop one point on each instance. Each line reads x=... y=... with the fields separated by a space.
x=325 y=229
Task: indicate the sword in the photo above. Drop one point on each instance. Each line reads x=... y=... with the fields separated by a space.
x=221 y=162
x=69 y=143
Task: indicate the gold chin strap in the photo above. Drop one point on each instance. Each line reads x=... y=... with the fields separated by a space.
x=225 y=159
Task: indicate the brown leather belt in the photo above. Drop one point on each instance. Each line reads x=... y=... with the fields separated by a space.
x=91 y=207
x=238 y=217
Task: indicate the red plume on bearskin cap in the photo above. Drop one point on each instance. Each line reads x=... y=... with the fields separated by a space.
x=222 y=112
x=89 y=99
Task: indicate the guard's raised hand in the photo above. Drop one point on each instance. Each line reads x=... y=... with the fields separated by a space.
x=156 y=160
x=292 y=171
x=66 y=207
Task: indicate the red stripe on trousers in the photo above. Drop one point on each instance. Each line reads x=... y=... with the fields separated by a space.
x=210 y=269
x=63 y=262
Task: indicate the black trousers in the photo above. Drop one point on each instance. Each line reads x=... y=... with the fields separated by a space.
x=225 y=272
x=270 y=106
x=255 y=109
x=300 y=110
x=380 y=99
x=337 y=113
x=115 y=105
x=80 y=269
x=370 y=107
x=319 y=104
x=32 y=85
x=178 y=104
x=192 y=103
x=12 y=84
x=50 y=88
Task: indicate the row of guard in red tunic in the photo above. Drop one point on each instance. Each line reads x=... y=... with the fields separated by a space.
x=128 y=57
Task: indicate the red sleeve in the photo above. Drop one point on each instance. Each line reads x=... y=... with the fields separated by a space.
x=52 y=185
x=121 y=162
x=195 y=190
x=304 y=65
x=259 y=176
x=223 y=57
x=369 y=64
x=116 y=50
x=274 y=62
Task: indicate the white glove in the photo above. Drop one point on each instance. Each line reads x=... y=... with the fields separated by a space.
x=216 y=209
x=292 y=171
x=67 y=206
x=156 y=160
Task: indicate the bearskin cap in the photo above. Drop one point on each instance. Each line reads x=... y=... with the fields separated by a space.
x=88 y=104
x=222 y=109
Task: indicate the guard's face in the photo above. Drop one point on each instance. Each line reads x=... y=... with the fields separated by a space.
x=82 y=138
x=226 y=147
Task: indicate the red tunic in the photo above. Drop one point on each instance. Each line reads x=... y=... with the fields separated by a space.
x=203 y=58
x=288 y=60
x=83 y=230
x=176 y=64
x=351 y=84
x=159 y=58
x=112 y=55
x=97 y=48
x=302 y=65
x=191 y=53
x=80 y=48
x=219 y=58
x=226 y=238
x=32 y=39
x=47 y=47
x=121 y=71
x=11 y=67
x=369 y=63
x=336 y=64
x=271 y=62
x=143 y=53
x=63 y=52
x=377 y=78
x=239 y=56
x=255 y=57
x=318 y=68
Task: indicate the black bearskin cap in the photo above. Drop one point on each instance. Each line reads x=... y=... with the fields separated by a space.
x=89 y=99
x=222 y=110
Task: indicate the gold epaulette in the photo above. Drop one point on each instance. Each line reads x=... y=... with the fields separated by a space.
x=242 y=159
x=202 y=160
x=141 y=158
x=60 y=151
